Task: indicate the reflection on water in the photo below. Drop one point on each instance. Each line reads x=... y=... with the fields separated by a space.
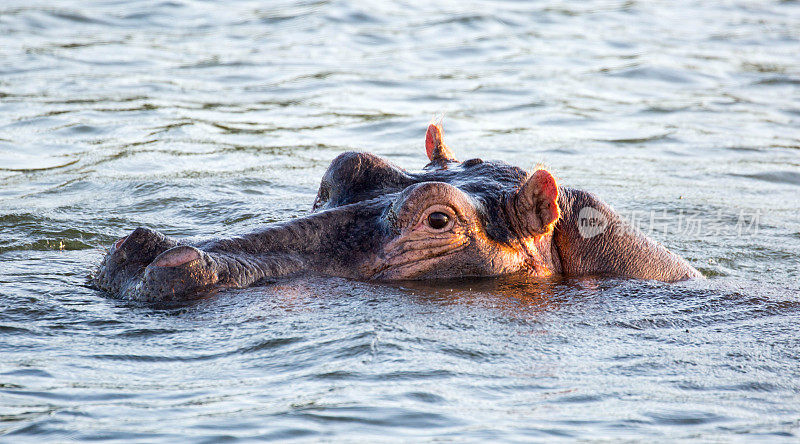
x=203 y=118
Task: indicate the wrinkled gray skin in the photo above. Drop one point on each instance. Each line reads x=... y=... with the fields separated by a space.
x=372 y=222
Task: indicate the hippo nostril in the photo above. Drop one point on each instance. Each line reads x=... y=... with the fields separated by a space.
x=177 y=256
x=119 y=243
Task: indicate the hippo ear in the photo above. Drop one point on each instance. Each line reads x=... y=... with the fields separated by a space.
x=438 y=152
x=534 y=206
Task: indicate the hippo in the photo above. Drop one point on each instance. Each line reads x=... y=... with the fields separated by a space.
x=373 y=220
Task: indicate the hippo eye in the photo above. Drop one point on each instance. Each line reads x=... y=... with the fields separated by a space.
x=438 y=220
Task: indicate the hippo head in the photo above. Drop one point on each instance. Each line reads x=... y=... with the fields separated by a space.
x=374 y=220
x=471 y=218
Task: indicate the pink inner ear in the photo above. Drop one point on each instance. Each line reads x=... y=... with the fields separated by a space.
x=546 y=184
x=433 y=138
x=547 y=190
x=435 y=147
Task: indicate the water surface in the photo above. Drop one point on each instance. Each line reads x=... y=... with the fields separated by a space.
x=204 y=118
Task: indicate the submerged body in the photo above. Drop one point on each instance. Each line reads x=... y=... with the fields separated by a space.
x=376 y=221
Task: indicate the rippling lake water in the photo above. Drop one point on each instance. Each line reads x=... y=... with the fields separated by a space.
x=209 y=118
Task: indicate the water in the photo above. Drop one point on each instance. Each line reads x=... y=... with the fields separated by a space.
x=211 y=118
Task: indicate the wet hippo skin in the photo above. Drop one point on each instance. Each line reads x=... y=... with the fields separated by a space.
x=375 y=221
